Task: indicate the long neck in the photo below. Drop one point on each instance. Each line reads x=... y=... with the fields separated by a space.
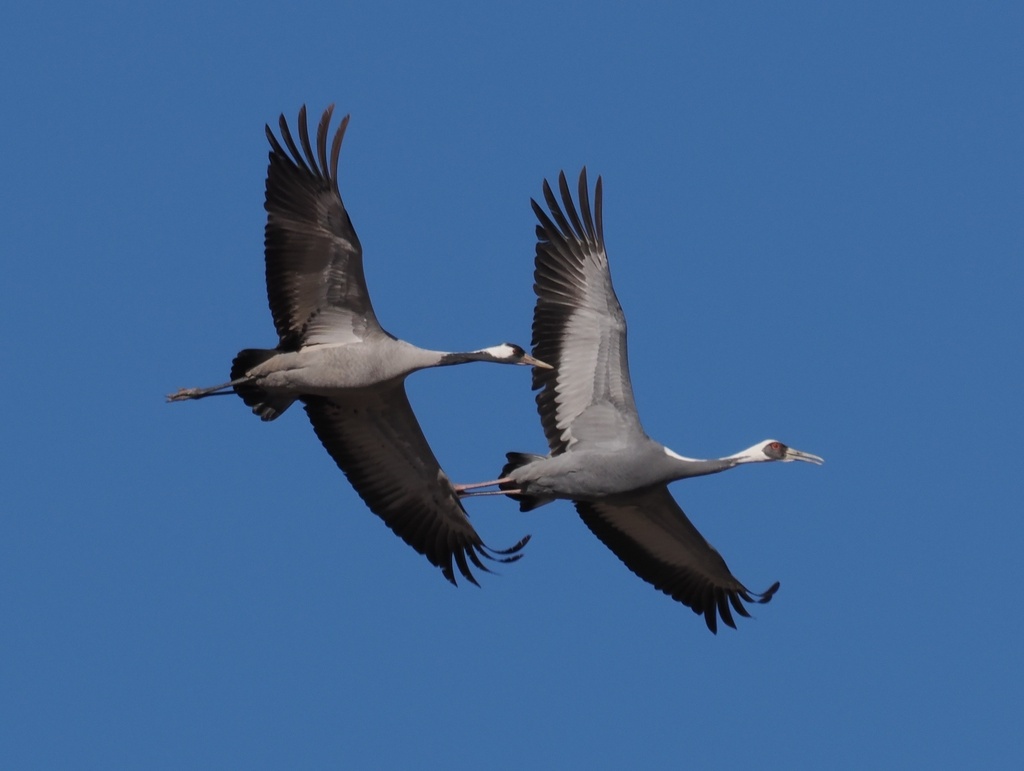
x=684 y=468
x=463 y=357
x=502 y=354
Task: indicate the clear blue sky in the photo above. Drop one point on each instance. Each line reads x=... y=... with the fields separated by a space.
x=814 y=216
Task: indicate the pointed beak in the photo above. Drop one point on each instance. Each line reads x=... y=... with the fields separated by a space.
x=528 y=359
x=792 y=454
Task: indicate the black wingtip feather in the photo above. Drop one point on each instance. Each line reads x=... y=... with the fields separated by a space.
x=710 y=617
x=570 y=208
x=767 y=595
x=738 y=606
x=512 y=550
x=339 y=135
x=304 y=139
x=293 y=149
x=460 y=560
x=475 y=552
x=321 y=139
x=476 y=561
x=723 y=608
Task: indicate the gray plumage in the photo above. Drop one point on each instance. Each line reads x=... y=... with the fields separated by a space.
x=349 y=373
x=600 y=456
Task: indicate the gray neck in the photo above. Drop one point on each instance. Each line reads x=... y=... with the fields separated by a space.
x=463 y=357
x=684 y=468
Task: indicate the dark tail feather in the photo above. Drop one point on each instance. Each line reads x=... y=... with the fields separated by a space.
x=515 y=460
x=264 y=404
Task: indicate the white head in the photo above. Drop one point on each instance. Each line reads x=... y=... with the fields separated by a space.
x=771 y=449
x=510 y=353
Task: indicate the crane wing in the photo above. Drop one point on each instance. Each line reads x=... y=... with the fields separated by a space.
x=314 y=262
x=649 y=532
x=375 y=439
x=578 y=326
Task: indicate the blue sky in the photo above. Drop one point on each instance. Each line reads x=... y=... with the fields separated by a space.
x=814 y=218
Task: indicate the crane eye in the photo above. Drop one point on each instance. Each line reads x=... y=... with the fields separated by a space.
x=776 y=445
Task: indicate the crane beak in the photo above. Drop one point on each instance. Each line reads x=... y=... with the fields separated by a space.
x=528 y=359
x=792 y=454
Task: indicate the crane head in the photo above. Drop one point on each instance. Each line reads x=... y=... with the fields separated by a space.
x=510 y=353
x=772 y=449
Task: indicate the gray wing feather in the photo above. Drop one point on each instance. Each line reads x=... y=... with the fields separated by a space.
x=579 y=327
x=652 y=536
x=314 y=262
x=375 y=439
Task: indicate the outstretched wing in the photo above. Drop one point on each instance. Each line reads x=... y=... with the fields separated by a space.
x=315 y=282
x=579 y=327
x=652 y=536
x=375 y=439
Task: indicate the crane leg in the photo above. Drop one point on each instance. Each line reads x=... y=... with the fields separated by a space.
x=475 y=485
x=200 y=393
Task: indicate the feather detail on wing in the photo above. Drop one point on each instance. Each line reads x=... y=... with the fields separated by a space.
x=652 y=536
x=375 y=439
x=315 y=282
x=578 y=325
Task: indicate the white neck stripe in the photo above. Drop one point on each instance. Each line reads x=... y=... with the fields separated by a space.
x=677 y=456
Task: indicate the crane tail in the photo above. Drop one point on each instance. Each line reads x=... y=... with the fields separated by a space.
x=265 y=404
x=516 y=460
